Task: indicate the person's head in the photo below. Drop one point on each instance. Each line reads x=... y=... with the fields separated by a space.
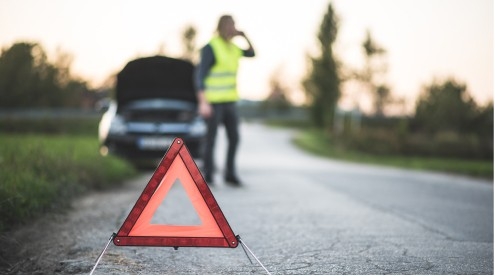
x=226 y=27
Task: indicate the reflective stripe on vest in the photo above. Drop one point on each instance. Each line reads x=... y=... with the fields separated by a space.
x=221 y=82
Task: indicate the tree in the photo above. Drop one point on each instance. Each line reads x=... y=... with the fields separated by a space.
x=445 y=106
x=189 y=43
x=483 y=121
x=277 y=100
x=27 y=79
x=17 y=75
x=372 y=74
x=381 y=99
x=322 y=85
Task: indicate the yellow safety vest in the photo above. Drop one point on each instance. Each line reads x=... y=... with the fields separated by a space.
x=221 y=82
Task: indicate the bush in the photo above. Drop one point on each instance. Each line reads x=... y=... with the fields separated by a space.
x=86 y=126
x=375 y=141
x=42 y=173
x=318 y=142
x=448 y=145
x=394 y=138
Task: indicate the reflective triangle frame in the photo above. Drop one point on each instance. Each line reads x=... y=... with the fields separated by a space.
x=177 y=158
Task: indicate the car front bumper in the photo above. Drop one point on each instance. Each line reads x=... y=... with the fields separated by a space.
x=148 y=146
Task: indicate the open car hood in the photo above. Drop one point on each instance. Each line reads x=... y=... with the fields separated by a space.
x=155 y=77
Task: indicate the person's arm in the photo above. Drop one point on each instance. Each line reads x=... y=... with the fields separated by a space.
x=249 y=52
x=206 y=62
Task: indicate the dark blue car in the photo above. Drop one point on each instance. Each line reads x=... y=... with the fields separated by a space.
x=155 y=102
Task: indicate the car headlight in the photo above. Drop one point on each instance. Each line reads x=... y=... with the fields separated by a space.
x=117 y=126
x=198 y=128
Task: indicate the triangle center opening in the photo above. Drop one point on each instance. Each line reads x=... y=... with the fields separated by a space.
x=176 y=208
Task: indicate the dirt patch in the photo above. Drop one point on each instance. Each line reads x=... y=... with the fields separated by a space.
x=35 y=248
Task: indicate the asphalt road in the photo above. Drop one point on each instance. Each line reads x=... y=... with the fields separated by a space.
x=301 y=214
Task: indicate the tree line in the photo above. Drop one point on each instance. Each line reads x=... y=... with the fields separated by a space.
x=28 y=79
x=442 y=105
x=446 y=120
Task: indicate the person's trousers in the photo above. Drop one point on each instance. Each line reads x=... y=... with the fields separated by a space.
x=226 y=114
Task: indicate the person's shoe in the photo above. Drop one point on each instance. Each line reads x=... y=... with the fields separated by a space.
x=233 y=181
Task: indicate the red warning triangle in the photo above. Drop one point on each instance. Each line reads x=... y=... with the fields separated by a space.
x=214 y=230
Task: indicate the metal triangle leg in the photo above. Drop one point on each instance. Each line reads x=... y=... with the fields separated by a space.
x=244 y=246
x=102 y=252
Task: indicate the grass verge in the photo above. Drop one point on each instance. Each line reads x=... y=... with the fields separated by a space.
x=44 y=172
x=316 y=142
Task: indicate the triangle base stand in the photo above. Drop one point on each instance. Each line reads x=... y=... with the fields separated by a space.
x=244 y=247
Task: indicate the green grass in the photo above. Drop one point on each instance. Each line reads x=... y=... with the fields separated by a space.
x=316 y=142
x=42 y=173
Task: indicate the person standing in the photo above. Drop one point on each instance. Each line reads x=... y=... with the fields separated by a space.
x=216 y=84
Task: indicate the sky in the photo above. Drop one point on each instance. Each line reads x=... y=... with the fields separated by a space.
x=425 y=40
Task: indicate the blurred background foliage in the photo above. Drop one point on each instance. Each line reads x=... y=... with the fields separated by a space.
x=446 y=122
x=47 y=159
x=28 y=79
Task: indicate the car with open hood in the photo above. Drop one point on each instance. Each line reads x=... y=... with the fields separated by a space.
x=155 y=101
